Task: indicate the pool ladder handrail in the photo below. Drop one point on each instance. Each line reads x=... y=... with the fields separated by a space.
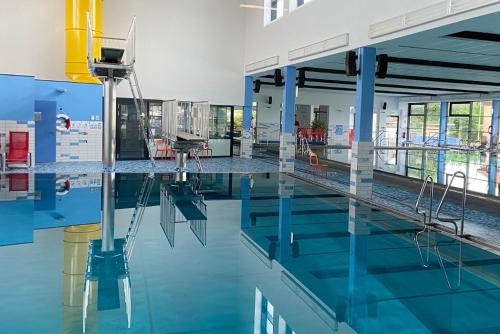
x=428 y=182
x=136 y=220
x=443 y=268
x=461 y=218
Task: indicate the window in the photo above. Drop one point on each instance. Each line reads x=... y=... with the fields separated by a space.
x=273 y=10
x=294 y=4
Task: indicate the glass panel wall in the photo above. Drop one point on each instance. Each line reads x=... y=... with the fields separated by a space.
x=468 y=126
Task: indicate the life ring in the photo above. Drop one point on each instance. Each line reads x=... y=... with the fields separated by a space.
x=62 y=186
x=66 y=123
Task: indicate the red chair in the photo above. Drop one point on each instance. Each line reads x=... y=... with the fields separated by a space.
x=207 y=149
x=18 y=154
x=309 y=134
x=314 y=163
x=18 y=182
x=162 y=148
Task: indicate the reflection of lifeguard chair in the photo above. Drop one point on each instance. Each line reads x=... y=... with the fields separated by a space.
x=116 y=63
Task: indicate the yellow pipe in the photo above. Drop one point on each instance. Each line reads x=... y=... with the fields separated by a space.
x=76 y=37
x=76 y=240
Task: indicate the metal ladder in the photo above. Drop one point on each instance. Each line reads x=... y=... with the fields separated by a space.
x=136 y=220
x=142 y=114
x=461 y=217
x=428 y=182
x=197 y=159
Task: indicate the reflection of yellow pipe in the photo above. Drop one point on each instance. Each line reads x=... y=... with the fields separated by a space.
x=76 y=37
x=76 y=240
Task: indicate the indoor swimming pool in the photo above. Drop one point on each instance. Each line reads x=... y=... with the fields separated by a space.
x=228 y=253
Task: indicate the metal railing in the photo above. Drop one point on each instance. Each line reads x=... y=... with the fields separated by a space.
x=428 y=183
x=136 y=220
x=461 y=217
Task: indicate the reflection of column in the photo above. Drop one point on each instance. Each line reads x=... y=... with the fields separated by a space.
x=76 y=240
x=288 y=139
x=286 y=189
x=245 y=201
x=443 y=125
x=359 y=230
x=247 y=132
x=108 y=212
x=362 y=147
x=492 y=168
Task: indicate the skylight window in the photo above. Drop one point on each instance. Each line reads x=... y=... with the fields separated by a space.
x=273 y=10
x=294 y=4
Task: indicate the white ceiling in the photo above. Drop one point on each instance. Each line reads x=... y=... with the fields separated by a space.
x=435 y=46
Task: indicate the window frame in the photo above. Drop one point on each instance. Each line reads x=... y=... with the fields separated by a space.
x=268 y=11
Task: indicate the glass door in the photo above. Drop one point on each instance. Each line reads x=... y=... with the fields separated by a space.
x=130 y=143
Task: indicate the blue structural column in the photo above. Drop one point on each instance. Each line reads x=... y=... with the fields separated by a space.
x=247 y=131
x=286 y=190
x=359 y=229
x=493 y=164
x=443 y=125
x=288 y=139
x=362 y=147
x=245 y=201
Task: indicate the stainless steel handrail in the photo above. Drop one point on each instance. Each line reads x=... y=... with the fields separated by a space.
x=427 y=218
x=461 y=218
x=443 y=267
x=428 y=180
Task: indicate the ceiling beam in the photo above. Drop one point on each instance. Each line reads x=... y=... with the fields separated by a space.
x=376 y=91
x=412 y=77
x=443 y=64
x=341 y=82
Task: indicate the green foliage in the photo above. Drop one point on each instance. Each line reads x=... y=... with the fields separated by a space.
x=319 y=124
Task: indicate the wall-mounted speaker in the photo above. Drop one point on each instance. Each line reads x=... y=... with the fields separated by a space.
x=351 y=68
x=302 y=79
x=270 y=100
x=382 y=66
x=256 y=86
x=384 y=106
x=278 y=78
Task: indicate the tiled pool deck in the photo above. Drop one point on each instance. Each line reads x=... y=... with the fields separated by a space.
x=477 y=223
x=216 y=165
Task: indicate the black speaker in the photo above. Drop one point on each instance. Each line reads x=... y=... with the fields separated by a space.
x=382 y=66
x=302 y=79
x=351 y=68
x=278 y=78
x=256 y=86
x=270 y=100
x=384 y=106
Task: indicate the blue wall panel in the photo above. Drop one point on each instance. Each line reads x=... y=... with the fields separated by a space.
x=16 y=222
x=79 y=207
x=17 y=97
x=79 y=101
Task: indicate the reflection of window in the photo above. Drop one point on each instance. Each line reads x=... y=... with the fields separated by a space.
x=273 y=10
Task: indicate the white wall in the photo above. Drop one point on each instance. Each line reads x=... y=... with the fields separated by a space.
x=323 y=19
x=32 y=38
x=186 y=49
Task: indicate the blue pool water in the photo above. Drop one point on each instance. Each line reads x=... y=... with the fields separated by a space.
x=228 y=253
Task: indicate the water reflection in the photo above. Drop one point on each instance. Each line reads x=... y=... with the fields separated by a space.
x=182 y=202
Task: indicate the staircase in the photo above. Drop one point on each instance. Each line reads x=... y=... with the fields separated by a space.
x=142 y=114
x=140 y=207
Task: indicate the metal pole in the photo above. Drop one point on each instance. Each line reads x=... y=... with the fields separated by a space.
x=108 y=212
x=109 y=124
